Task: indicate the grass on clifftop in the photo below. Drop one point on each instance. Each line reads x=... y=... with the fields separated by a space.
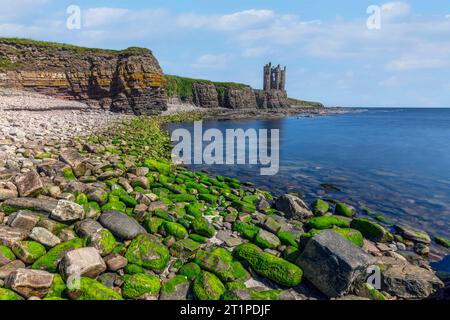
x=5 y=63
x=183 y=87
x=73 y=48
x=304 y=103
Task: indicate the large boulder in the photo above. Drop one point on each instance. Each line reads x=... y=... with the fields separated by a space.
x=30 y=283
x=23 y=219
x=333 y=264
x=408 y=281
x=293 y=207
x=121 y=225
x=85 y=262
x=412 y=234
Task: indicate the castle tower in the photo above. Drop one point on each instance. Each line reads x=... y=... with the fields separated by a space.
x=283 y=79
x=267 y=76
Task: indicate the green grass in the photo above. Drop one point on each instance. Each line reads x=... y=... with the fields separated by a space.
x=304 y=103
x=76 y=49
x=5 y=63
x=183 y=87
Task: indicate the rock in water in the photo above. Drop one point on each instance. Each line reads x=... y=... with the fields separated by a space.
x=333 y=264
x=121 y=225
x=85 y=262
x=293 y=207
x=30 y=283
x=29 y=184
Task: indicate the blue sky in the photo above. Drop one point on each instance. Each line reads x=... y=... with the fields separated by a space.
x=330 y=53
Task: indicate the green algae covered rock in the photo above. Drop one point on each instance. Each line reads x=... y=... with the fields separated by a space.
x=327 y=222
x=247 y=230
x=219 y=261
x=175 y=229
x=266 y=239
x=442 y=241
x=28 y=251
x=133 y=269
x=269 y=266
x=146 y=251
x=160 y=166
x=6 y=294
x=91 y=289
x=202 y=227
x=139 y=285
x=371 y=230
x=193 y=209
x=57 y=289
x=152 y=224
x=243 y=206
x=51 y=259
x=6 y=255
x=175 y=289
x=208 y=287
x=288 y=238
x=350 y=234
x=103 y=240
x=320 y=207
x=345 y=210
x=184 y=248
x=191 y=270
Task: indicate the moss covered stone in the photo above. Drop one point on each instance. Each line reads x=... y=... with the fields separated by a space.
x=371 y=230
x=51 y=259
x=6 y=255
x=350 y=234
x=175 y=288
x=175 y=229
x=442 y=241
x=191 y=270
x=148 y=252
x=288 y=238
x=208 y=287
x=269 y=266
x=320 y=207
x=133 y=269
x=266 y=239
x=343 y=209
x=194 y=210
x=28 y=251
x=235 y=285
x=139 y=285
x=249 y=231
x=182 y=197
x=9 y=295
x=57 y=289
x=250 y=294
x=327 y=222
x=202 y=227
x=198 y=238
x=103 y=240
x=184 y=248
x=243 y=206
x=91 y=289
x=219 y=261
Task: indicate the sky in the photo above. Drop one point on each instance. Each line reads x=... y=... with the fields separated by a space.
x=342 y=53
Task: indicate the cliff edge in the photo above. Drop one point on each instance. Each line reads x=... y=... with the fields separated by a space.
x=128 y=81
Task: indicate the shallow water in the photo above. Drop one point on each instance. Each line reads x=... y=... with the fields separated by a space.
x=395 y=162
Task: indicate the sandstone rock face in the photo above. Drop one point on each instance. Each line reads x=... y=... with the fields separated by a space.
x=30 y=283
x=333 y=264
x=205 y=95
x=235 y=98
x=129 y=81
x=272 y=99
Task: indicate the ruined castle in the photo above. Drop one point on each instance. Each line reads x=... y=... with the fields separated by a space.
x=274 y=78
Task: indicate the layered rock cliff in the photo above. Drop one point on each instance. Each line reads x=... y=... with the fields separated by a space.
x=129 y=81
x=208 y=94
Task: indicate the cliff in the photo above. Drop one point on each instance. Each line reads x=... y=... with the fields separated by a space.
x=129 y=81
x=230 y=95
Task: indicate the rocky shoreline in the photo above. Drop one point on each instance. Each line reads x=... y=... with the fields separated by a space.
x=91 y=209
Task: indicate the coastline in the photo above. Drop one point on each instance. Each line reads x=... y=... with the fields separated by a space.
x=122 y=165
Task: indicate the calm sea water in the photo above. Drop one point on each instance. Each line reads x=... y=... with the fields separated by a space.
x=395 y=162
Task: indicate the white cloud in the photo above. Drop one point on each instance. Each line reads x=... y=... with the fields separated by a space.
x=447 y=16
x=212 y=61
x=415 y=63
x=393 y=10
x=255 y=52
x=228 y=22
x=96 y=17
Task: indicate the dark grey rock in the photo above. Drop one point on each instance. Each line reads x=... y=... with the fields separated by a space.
x=293 y=207
x=333 y=264
x=121 y=225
